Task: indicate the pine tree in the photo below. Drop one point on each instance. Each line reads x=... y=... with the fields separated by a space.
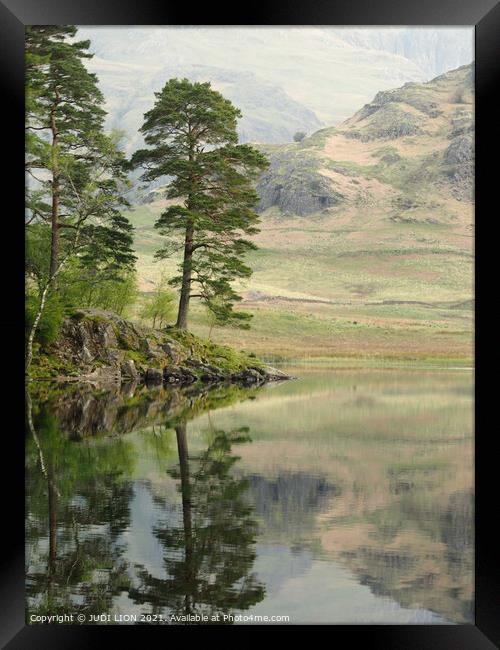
x=64 y=116
x=192 y=139
x=76 y=172
x=66 y=146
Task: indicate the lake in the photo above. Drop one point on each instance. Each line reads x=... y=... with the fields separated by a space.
x=344 y=496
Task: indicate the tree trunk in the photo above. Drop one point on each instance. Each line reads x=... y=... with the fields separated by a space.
x=52 y=522
x=54 y=244
x=38 y=315
x=182 y=449
x=43 y=299
x=182 y=315
x=55 y=267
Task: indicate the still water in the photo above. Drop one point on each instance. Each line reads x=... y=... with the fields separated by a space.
x=345 y=496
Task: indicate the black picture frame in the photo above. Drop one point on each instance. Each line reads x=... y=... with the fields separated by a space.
x=485 y=16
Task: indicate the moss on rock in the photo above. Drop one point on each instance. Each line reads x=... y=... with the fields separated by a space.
x=101 y=346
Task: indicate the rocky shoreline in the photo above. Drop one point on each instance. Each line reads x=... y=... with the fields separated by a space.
x=99 y=347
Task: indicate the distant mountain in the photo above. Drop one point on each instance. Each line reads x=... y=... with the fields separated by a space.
x=414 y=141
x=269 y=114
x=283 y=79
x=433 y=50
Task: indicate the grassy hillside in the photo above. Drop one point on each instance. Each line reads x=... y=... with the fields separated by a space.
x=366 y=243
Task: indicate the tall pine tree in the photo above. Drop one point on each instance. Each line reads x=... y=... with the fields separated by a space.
x=76 y=172
x=192 y=138
x=68 y=155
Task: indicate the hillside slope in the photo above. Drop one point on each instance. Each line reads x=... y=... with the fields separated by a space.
x=418 y=138
x=366 y=243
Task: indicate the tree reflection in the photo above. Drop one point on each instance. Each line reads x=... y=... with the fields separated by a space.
x=209 y=554
x=80 y=494
x=77 y=506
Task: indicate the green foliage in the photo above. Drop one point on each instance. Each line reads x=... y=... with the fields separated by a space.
x=191 y=132
x=76 y=175
x=52 y=318
x=113 y=294
x=64 y=119
x=37 y=254
x=221 y=312
x=82 y=285
x=159 y=307
x=79 y=286
x=299 y=136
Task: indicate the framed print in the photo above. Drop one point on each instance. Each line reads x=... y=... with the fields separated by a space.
x=257 y=339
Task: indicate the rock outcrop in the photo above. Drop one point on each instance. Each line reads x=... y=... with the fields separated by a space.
x=389 y=122
x=459 y=166
x=293 y=184
x=101 y=347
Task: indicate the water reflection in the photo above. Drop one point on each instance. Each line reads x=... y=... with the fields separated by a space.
x=342 y=497
x=77 y=507
x=209 y=555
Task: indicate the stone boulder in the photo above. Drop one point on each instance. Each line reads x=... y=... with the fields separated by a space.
x=129 y=371
x=154 y=376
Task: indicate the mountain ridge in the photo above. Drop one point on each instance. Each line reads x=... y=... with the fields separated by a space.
x=387 y=143
x=325 y=71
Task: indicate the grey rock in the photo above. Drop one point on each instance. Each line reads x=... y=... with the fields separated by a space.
x=250 y=376
x=293 y=184
x=128 y=370
x=461 y=150
x=86 y=355
x=459 y=167
x=388 y=123
x=273 y=374
x=154 y=376
x=152 y=349
x=173 y=351
x=179 y=375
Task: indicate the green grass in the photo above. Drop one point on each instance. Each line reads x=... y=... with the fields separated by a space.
x=223 y=357
x=45 y=365
x=353 y=274
x=278 y=333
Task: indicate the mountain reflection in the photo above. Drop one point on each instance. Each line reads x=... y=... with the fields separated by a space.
x=155 y=502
